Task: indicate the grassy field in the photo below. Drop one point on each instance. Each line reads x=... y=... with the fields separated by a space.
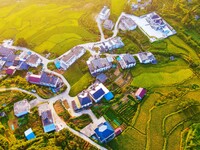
x=130 y=139
x=46 y=25
x=117 y=6
x=161 y=78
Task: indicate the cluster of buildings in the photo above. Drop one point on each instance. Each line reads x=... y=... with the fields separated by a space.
x=104 y=17
x=68 y=59
x=127 y=24
x=95 y=93
x=100 y=130
x=13 y=62
x=98 y=65
x=45 y=79
x=22 y=108
x=109 y=45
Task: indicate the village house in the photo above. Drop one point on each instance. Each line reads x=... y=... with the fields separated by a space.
x=140 y=93
x=34 y=79
x=16 y=61
x=24 y=56
x=105 y=13
x=101 y=129
x=34 y=60
x=5 y=52
x=146 y=57
x=109 y=45
x=104 y=132
x=10 y=60
x=126 y=61
x=45 y=79
x=97 y=91
x=127 y=24
x=23 y=66
x=108 y=24
x=21 y=108
x=50 y=80
x=82 y=101
x=67 y=60
x=156 y=21
x=11 y=70
x=29 y=134
x=46 y=117
x=97 y=65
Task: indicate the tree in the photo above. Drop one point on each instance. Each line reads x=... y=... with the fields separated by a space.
x=22 y=42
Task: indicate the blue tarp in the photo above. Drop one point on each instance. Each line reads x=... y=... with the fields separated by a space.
x=57 y=64
x=109 y=96
x=30 y=136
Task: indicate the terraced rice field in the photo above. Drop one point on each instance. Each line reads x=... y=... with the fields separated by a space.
x=47 y=25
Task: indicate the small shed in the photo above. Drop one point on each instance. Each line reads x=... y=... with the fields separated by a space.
x=109 y=96
x=118 y=131
x=102 y=78
x=29 y=134
x=11 y=70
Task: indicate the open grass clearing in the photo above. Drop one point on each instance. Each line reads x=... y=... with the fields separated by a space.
x=117 y=6
x=161 y=79
x=81 y=84
x=45 y=25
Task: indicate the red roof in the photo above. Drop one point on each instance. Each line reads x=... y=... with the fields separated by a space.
x=10 y=71
x=34 y=79
x=141 y=92
x=118 y=131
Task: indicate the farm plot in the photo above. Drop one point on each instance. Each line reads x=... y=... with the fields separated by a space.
x=46 y=25
x=130 y=139
x=80 y=122
x=143 y=116
x=155 y=130
x=127 y=110
x=162 y=78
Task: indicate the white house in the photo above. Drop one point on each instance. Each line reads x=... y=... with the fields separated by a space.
x=105 y=13
x=67 y=60
x=34 y=60
x=126 y=61
x=127 y=24
x=97 y=65
x=146 y=57
x=97 y=91
x=108 y=24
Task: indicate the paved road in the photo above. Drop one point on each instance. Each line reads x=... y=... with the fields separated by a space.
x=116 y=30
x=99 y=24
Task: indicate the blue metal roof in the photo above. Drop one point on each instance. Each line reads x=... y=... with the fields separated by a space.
x=109 y=96
x=102 y=77
x=84 y=100
x=104 y=131
x=49 y=128
x=98 y=94
x=57 y=64
x=49 y=79
x=24 y=66
x=31 y=136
